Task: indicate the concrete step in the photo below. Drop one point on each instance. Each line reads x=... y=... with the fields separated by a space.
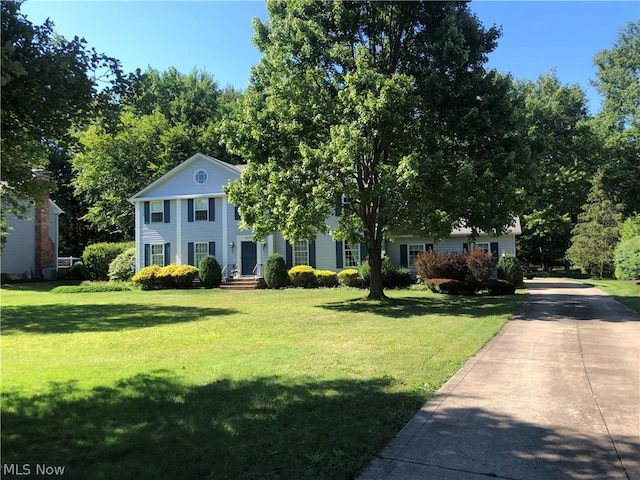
x=248 y=283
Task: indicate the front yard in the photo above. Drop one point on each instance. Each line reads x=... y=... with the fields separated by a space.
x=214 y=384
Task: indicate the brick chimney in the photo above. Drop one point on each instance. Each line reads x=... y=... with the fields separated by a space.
x=45 y=255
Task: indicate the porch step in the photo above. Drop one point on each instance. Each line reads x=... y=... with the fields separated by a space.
x=248 y=283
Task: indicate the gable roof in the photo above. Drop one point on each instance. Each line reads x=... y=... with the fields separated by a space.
x=235 y=169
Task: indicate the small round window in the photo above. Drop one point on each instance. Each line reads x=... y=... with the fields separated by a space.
x=201 y=177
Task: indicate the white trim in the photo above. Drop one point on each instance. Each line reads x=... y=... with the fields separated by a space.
x=179 y=232
x=225 y=226
x=139 y=220
x=178 y=197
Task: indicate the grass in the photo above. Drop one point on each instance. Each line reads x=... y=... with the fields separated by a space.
x=215 y=384
x=625 y=292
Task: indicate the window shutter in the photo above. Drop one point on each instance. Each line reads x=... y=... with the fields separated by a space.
x=236 y=213
x=339 y=259
x=289 y=255
x=212 y=209
x=494 y=250
x=190 y=210
x=167 y=211
x=212 y=248
x=191 y=257
x=338 y=211
x=404 y=256
x=428 y=247
x=167 y=253
x=465 y=248
x=312 y=254
x=147 y=254
x=363 y=251
x=147 y=212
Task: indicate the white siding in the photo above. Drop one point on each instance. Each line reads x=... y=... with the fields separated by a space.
x=18 y=254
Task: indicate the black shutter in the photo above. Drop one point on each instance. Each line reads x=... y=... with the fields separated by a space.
x=236 y=213
x=147 y=212
x=212 y=209
x=339 y=259
x=289 y=255
x=147 y=254
x=212 y=248
x=363 y=251
x=494 y=251
x=167 y=210
x=167 y=253
x=428 y=247
x=465 y=248
x=190 y=210
x=338 y=211
x=190 y=254
x=404 y=256
x=312 y=254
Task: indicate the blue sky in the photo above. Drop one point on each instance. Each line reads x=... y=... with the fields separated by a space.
x=216 y=35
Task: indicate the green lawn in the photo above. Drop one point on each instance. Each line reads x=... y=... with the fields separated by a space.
x=627 y=293
x=215 y=384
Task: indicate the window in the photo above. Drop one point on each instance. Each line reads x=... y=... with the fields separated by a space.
x=201 y=207
x=157 y=211
x=201 y=177
x=483 y=247
x=157 y=254
x=351 y=254
x=414 y=251
x=201 y=250
x=301 y=252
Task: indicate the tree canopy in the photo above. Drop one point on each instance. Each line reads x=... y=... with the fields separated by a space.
x=385 y=104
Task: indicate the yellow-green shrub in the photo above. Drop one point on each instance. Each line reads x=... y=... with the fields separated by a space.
x=146 y=277
x=348 y=277
x=326 y=278
x=165 y=277
x=303 y=276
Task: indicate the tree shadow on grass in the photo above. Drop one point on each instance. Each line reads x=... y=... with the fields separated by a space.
x=69 y=318
x=153 y=426
x=442 y=305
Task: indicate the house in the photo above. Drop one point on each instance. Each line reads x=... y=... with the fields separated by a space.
x=31 y=248
x=185 y=215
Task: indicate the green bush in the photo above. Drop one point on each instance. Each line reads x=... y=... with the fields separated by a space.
x=123 y=266
x=93 y=288
x=165 y=276
x=326 y=278
x=510 y=269
x=184 y=275
x=627 y=259
x=450 y=286
x=303 y=276
x=400 y=278
x=500 y=287
x=210 y=272
x=76 y=272
x=97 y=258
x=349 y=277
x=275 y=271
x=146 y=277
x=432 y=264
x=389 y=274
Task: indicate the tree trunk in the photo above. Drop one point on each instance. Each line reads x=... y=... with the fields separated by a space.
x=375 y=270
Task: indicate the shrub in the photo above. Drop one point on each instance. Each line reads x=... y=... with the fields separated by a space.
x=364 y=272
x=326 y=278
x=510 y=269
x=303 y=276
x=275 y=271
x=76 y=272
x=388 y=273
x=627 y=259
x=97 y=258
x=123 y=267
x=348 y=277
x=432 y=264
x=480 y=265
x=146 y=277
x=500 y=287
x=210 y=272
x=93 y=288
x=165 y=276
x=450 y=286
x=184 y=275
x=400 y=278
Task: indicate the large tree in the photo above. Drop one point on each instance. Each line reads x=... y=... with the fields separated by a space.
x=564 y=151
x=166 y=117
x=386 y=105
x=49 y=84
x=618 y=123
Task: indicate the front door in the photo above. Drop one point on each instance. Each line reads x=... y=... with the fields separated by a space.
x=248 y=257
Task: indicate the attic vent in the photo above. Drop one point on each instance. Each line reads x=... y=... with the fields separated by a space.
x=201 y=177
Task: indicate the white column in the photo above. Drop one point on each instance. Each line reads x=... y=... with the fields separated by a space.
x=179 y=231
x=225 y=237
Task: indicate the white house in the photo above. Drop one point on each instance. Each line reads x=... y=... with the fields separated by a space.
x=185 y=215
x=31 y=248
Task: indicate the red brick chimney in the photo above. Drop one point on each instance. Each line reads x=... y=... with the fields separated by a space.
x=45 y=248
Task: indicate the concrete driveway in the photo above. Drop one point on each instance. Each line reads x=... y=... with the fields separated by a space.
x=555 y=395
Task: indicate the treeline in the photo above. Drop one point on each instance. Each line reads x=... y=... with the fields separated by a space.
x=104 y=135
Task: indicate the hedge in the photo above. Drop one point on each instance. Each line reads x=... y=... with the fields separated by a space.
x=97 y=257
x=303 y=276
